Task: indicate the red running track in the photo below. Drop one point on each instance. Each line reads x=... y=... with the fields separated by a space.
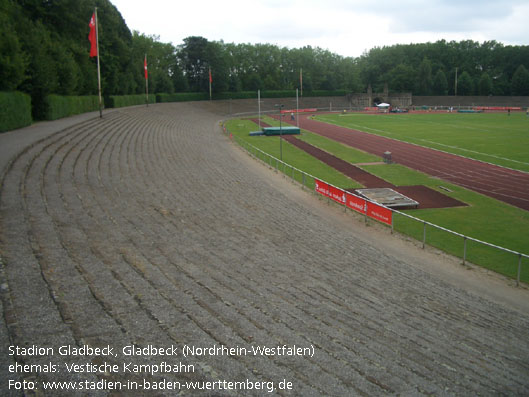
x=509 y=186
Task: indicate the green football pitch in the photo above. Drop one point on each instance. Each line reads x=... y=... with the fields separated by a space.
x=497 y=138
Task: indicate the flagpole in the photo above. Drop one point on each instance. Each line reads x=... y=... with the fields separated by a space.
x=146 y=81
x=210 y=83
x=297 y=108
x=301 y=81
x=98 y=69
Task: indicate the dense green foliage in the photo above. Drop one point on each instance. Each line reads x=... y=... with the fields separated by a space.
x=15 y=110
x=182 y=97
x=468 y=59
x=44 y=49
x=119 y=101
x=57 y=106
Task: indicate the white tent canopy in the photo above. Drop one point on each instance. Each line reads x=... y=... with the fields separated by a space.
x=383 y=105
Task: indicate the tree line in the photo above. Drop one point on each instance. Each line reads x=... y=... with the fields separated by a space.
x=44 y=50
x=449 y=68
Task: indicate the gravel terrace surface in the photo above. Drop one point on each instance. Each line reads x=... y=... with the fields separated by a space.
x=149 y=227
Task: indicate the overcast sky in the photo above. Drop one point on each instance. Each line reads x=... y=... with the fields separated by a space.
x=345 y=27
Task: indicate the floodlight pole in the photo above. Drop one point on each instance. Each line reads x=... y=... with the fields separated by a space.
x=297 y=108
x=455 y=85
x=280 y=133
x=280 y=106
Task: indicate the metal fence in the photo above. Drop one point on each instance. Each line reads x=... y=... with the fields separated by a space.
x=470 y=249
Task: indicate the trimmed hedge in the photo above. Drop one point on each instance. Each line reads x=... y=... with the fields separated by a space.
x=15 y=110
x=15 y=107
x=120 y=101
x=182 y=97
x=63 y=106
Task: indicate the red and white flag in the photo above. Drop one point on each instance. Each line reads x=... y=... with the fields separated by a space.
x=92 y=36
x=145 y=67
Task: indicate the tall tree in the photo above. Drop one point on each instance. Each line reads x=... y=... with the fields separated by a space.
x=401 y=78
x=41 y=78
x=13 y=61
x=485 y=84
x=465 y=84
x=424 y=77
x=219 y=67
x=194 y=58
x=440 y=85
x=520 y=81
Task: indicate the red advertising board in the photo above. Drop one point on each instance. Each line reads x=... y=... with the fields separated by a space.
x=336 y=194
x=379 y=213
x=356 y=203
x=332 y=192
x=310 y=110
x=496 y=108
x=375 y=211
x=322 y=187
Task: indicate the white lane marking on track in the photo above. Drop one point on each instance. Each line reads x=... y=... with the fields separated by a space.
x=474 y=151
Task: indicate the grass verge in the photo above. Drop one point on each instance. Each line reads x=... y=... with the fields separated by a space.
x=293 y=156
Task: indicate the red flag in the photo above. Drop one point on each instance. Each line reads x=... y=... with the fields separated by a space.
x=92 y=36
x=210 y=79
x=145 y=67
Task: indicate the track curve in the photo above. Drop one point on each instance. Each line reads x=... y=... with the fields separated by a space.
x=149 y=227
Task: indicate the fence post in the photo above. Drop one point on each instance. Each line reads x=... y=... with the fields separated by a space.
x=424 y=235
x=464 y=250
x=519 y=269
x=303 y=180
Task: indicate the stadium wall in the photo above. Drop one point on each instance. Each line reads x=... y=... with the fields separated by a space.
x=518 y=101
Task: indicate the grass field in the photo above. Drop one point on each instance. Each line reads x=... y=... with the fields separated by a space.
x=484 y=218
x=491 y=137
x=291 y=155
